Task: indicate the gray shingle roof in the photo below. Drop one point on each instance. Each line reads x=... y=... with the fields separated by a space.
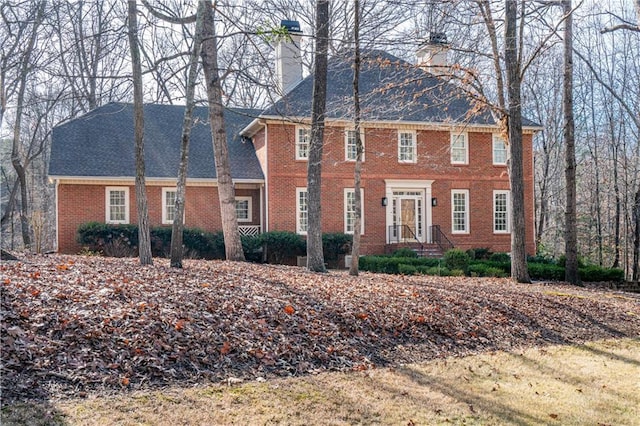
x=100 y=143
x=391 y=89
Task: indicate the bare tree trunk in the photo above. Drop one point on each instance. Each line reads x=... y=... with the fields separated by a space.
x=232 y=242
x=178 y=220
x=636 y=238
x=18 y=166
x=144 y=237
x=571 y=227
x=315 y=257
x=355 y=249
x=519 y=271
x=616 y=191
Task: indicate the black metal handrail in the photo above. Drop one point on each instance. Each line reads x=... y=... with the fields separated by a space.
x=438 y=237
x=399 y=231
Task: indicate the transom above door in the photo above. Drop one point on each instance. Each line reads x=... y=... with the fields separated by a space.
x=408 y=213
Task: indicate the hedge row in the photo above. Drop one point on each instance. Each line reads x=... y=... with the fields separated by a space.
x=479 y=268
x=271 y=247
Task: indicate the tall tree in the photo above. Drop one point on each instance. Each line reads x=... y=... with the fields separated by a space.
x=209 y=53
x=512 y=58
x=24 y=68
x=144 y=235
x=187 y=124
x=357 y=225
x=315 y=257
x=571 y=225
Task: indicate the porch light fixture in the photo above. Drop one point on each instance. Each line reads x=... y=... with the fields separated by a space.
x=434 y=201
x=384 y=201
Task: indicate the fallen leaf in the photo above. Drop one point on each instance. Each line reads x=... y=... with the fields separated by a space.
x=226 y=348
x=289 y=310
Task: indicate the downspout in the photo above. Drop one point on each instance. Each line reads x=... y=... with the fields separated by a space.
x=55 y=243
x=266 y=178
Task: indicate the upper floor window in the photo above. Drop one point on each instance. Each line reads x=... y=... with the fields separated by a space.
x=117 y=204
x=499 y=151
x=459 y=148
x=243 y=209
x=168 y=205
x=407 y=147
x=350 y=147
x=460 y=211
x=501 y=212
x=350 y=210
x=303 y=138
x=302 y=211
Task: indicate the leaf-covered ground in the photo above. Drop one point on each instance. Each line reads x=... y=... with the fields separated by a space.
x=76 y=325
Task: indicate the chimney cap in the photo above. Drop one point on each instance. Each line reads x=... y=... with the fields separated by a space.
x=291 y=26
x=437 y=38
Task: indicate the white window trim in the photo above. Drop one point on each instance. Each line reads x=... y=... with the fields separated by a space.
x=346 y=144
x=249 y=201
x=496 y=139
x=415 y=146
x=107 y=212
x=508 y=194
x=165 y=220
x=466 y=145
x=466 y=208
x=298 y=191
x=298 y=128
x=352 y=190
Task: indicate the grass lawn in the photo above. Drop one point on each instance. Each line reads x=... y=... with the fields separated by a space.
x=593 y=384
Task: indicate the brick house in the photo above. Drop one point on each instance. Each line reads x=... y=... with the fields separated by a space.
x=434 y=167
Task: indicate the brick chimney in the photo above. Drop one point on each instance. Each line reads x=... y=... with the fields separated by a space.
x=288 y=58
x=432 y=54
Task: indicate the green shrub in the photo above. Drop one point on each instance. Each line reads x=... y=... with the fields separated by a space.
x=562 y=261
x=482 y=253
x=436 y=271
x=389 y=264
x=540 y=258
x=336 y=244
x=594 y=273
x=472 y=254
x=545 y=271
x=407 y=269
x=456 y=259
x=405 y=252
x=111 y=240
x=456 y=273
x=283 y=245
x=253 y=248
x=495 y=272
x=478 y=270
x=500 y=257
x=122 y=240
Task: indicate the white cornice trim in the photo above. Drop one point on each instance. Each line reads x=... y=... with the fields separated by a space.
x=125 y=180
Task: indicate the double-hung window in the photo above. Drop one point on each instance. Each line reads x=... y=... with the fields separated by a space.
x=407 y=147
x=499 y=151
x=302 y=211
x=303 y=138
x=117 y=204
x=350 y=210
x=460 y=211
x=243 y=209
x=459 y=148
x=501 y=212
x=168 y=205
x=350 y=146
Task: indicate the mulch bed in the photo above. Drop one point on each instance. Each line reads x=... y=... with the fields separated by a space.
x=76 y=325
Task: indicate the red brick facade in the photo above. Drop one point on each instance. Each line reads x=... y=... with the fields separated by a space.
x=81 y=203
x=480 y=177
x=382 y=174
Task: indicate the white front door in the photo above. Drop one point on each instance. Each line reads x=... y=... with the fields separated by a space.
x=409 y=211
